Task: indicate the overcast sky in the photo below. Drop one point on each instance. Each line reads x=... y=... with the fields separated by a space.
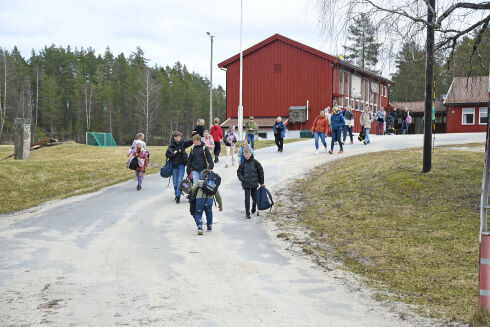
x=166 y=30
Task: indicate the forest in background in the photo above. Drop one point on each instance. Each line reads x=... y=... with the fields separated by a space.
x=69 y=92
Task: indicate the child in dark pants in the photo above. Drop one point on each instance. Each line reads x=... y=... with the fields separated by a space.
x=251 y=174
x=204 y=203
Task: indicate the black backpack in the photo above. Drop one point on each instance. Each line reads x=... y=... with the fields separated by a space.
x=264 y=199
x=133 y=164
x=211 y=183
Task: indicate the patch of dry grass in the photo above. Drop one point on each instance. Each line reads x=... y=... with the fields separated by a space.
x=412 y=234
x=62 y=171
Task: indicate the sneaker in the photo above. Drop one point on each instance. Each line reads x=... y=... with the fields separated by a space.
x=210 y=228
x=258 y=213
x=364 y=142
x=226 y=166
x=331 y=151
x=199 y=231
x=341 y=151
x=177 y=199
x=248 y=216
x=316 y=152
x=254 y=209
x=351 y=142
x=138 y=188
x=215 y=220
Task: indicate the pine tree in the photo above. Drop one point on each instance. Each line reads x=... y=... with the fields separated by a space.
x=363 y=50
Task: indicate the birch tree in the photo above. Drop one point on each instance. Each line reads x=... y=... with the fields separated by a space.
x=88 y=93
x=3 y=108
x=148 y=99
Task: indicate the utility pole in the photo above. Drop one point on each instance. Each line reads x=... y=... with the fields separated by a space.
x=429 y=81
x=211 y=83
x=240 y=105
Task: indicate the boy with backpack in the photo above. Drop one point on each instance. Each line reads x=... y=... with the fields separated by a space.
x=205 y=190
x=251 y=174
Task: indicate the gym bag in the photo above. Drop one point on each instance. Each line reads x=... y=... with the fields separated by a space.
x=211 y=183
x=166 y=170
x=186 y=185
x=264 y=199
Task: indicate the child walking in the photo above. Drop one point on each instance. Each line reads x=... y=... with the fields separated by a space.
x=240 y=153
x=139 y=137
x=251 y=174
x=337 y=123
x=142 y=156
x=229 y=142
x=204 y=203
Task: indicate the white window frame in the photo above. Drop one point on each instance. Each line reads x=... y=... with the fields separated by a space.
x=479 y=114
x=468 y=111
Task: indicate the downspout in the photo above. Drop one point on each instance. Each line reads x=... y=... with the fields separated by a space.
x=226 y=92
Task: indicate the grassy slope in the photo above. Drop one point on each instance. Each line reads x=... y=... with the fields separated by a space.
x=415 y=233
x=65 y=170
x=62 y=171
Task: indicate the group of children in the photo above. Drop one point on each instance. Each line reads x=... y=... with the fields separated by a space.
x=199 y=164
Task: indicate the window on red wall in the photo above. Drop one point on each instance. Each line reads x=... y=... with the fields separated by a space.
x=482 y=115
x=468 y=116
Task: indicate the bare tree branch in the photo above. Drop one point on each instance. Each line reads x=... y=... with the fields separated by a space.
x=466 y=5
x=461 y=33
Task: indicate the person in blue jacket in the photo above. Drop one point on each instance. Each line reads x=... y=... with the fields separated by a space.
x=279 y=133
x=337 y=123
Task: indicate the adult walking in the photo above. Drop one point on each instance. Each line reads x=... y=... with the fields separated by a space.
x=217 y=134
x=366 y=120
x=229 y=142
x=349 y=123
x=319 y=128
x=405 y=123
x=252 y=129
x=337 y=123
x=178 y=157
x=199 y=129
x=279 y=133
x=199 y=159
x=380 y=117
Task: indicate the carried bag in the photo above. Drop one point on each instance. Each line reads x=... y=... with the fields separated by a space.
x=166 y=170
x=408 y=120
x=264 y=199
x=186 y=185
x=362 y=135
x=133 y=163
x=211 y=183
x=380 y=120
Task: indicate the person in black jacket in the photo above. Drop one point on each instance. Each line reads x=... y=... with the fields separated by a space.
x=199 y=129
x=178 y=157
x=199 y=159
x=251 y=174
x=349 y=122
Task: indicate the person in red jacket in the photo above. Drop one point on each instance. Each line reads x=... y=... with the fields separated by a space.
x=319 y=128
x=217 y=134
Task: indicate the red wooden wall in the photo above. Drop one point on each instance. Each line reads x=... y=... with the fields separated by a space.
x=455 y=119
x=276 y=77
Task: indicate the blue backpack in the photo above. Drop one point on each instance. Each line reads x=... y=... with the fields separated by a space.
x=264 y=199
x=166 y=171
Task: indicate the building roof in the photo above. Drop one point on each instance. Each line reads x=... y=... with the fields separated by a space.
x=468 y=90
x=261 y=121
x=417 y=106
x=278 y=37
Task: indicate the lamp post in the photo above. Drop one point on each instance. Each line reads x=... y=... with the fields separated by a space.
x=240 y=106
x=211 y=37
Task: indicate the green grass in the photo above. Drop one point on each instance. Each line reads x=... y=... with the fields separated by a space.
x=414 y=235
x=62 y=171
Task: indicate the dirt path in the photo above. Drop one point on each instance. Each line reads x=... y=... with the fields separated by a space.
x=124 y=258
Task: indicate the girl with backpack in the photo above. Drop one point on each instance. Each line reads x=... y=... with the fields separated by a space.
x=142 y=156
x=229 y=142
x=204 y=203
x=251 y=175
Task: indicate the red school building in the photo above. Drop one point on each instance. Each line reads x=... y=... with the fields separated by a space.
x=467 y=104
x=280 y=73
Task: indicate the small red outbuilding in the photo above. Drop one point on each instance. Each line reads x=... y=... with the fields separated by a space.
x=280 y=73
x=467 y=104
